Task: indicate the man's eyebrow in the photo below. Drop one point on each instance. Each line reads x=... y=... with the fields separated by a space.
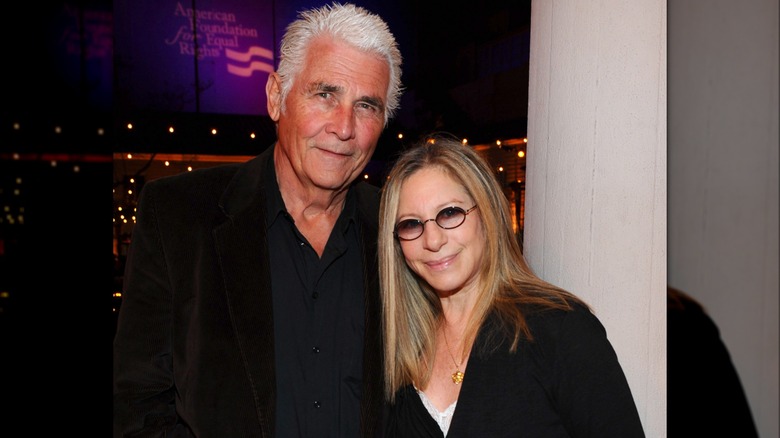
x=324 y=87
x=373 y=101
x=329 y=87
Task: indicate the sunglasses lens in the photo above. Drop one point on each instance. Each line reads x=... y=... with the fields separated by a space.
x=450 y=217
x=409 y=229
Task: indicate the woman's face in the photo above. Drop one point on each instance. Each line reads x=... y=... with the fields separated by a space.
x=448 y=259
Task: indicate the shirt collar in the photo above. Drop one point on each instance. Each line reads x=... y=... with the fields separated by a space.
x=275 y=207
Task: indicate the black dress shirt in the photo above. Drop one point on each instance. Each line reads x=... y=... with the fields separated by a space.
x=318 y=323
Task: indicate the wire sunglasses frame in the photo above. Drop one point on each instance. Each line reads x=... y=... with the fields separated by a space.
x=447 y=218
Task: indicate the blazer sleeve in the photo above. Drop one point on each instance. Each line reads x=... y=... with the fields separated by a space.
x=593 y=395
x=143 y=376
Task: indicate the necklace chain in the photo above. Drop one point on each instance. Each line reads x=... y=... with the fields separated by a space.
x=458 y=375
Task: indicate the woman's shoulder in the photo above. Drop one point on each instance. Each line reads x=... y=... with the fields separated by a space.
x=577 y=320
x=554 y=312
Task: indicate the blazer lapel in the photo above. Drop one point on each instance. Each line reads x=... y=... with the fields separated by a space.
x=243 y=255
x=373 y=352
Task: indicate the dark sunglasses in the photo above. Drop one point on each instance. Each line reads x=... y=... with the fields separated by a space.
x=448 y=218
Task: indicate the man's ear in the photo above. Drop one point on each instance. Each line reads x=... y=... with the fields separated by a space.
x=273 y=92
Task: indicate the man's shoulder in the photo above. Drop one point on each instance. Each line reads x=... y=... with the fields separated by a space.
x=367 y=196
x=183 y=188
x=367 y=203
x=367 y=189
x=206 y=175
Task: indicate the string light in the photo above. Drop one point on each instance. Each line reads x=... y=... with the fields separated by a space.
x=127 y=197
x=178 y=163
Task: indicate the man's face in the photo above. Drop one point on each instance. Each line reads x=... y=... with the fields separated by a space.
x=334 y=115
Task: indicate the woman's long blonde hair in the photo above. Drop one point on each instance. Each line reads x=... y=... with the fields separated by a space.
x=411 y=308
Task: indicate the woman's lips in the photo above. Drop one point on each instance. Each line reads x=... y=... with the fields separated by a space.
x=440 y=264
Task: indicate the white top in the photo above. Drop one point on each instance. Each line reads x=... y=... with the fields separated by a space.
x=443 y=419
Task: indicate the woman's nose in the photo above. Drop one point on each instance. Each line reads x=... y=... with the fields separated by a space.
x=434 y=236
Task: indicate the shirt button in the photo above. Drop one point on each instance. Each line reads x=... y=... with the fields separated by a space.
x=315 y=295
x=315 y=350
x=317 y=404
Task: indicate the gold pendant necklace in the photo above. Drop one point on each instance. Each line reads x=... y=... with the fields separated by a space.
x=457 y=376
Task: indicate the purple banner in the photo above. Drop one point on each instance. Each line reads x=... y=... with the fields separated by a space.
x=194 y=56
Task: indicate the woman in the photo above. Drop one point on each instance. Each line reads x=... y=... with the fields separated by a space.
x=475 y=343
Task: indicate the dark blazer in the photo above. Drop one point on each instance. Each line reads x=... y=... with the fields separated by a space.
x=568 y=382
x=194 y=347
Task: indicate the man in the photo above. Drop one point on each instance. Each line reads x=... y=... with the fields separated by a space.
x=251 y=302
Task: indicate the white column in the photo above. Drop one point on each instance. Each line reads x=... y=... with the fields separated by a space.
x=596 y=175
